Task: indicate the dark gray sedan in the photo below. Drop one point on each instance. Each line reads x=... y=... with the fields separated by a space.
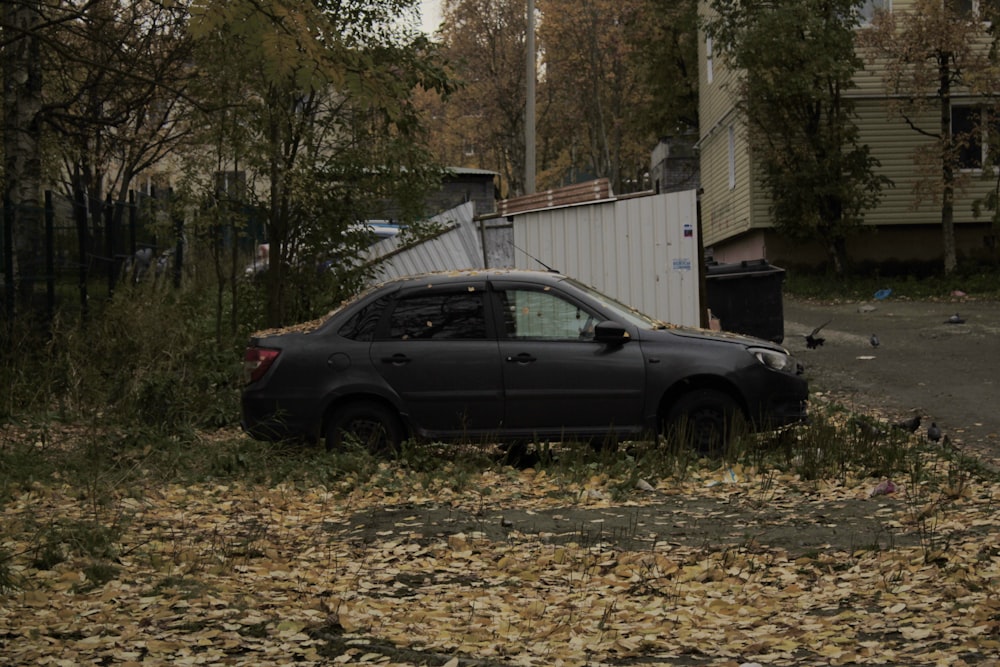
x=506 y=356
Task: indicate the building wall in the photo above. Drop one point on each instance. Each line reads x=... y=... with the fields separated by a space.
x=912 y=200
x=674 y=166
x=725 y=210
x=736 y=221
x=895 y=244
x=466 y=185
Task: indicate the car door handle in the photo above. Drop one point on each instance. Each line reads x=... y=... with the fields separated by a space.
x=523 y=358
x=398 y=359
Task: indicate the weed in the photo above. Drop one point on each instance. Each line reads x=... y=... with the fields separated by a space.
x=185 y=587
x=9 y=581
x=907 y=281
x=96 y=574
x=86 y=538
x=766 y=487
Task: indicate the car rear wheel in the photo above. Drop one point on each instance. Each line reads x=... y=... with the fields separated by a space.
x=704 y=419
x=365 y=424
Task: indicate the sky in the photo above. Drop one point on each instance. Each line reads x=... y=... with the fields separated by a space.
x=430 y=14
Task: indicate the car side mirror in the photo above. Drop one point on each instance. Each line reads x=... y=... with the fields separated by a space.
x=611 y=333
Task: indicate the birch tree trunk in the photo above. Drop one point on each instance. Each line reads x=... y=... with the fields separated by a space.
x=22 y=104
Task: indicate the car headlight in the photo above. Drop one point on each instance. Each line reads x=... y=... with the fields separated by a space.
x=773 y=359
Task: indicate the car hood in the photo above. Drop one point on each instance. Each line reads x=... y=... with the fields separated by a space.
x=709 y=335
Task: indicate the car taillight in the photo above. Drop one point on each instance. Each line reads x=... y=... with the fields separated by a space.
x=256 y=361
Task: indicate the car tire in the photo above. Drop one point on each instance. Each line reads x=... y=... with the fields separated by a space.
x=367 y=424
x=704 y=419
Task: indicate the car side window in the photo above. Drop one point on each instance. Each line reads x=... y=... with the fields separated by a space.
x=444 y=316
x=545 y=315
x=361 y=325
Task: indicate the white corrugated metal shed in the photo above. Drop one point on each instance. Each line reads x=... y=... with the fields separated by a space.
x=458 y=247
x=642 y=250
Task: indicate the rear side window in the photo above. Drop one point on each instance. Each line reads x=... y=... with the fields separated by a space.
x=361 y=325
x=444 y=316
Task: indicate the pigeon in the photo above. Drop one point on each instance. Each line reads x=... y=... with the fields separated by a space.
x=874 y=341
x=955 y=319
x=933 y=432
x=911 y=424
x=812 y=340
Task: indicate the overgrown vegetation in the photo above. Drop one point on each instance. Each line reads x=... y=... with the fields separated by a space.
x=127 y=486
x=906 y=280
x=143 y=396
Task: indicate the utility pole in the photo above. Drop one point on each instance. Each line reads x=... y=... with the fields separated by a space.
x=529 y=106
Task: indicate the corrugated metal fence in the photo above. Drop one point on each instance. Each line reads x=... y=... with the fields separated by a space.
x=641 y=250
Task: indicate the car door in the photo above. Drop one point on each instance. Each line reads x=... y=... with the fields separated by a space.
x=557 y=379
x=439 y=354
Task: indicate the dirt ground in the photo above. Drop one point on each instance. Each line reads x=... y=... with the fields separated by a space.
x=946 y=372
x=801 y=528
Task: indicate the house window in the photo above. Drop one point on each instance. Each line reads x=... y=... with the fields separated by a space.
x=709 y=68
x=974 y=131
x=970 y=8
x=960 y=7
x=732 y=157
x=868 y=9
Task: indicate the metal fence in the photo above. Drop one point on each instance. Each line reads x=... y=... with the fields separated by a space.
x=67 y=251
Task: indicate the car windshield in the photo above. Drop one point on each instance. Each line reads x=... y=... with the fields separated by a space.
x=626 y=313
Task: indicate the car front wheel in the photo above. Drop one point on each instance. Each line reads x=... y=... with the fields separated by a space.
x=365 y=424
x=704 y=419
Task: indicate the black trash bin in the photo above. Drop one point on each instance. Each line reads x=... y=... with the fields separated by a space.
x=746 y=297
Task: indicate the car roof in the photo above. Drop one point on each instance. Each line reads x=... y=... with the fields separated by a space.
x=462 y=276
x=418 y=280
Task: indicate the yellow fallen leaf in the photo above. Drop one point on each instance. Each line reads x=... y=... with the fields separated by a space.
x=915 y=633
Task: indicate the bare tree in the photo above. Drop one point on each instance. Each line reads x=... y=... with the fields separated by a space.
x=594 y=87
x=22 y=137
x=483 y=123
x=91 y=99
x=929 y=54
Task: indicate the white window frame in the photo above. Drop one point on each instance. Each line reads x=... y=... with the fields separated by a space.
x=709 y=62
x=984 y=139
x=974 y=7
x=866 y=12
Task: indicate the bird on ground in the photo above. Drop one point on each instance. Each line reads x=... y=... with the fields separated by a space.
x=933 y=432
x=874 y=341
x=955 y=319
x=911 y=424
x=812 y=340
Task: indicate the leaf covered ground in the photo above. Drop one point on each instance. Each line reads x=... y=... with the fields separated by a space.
x=724 y=565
